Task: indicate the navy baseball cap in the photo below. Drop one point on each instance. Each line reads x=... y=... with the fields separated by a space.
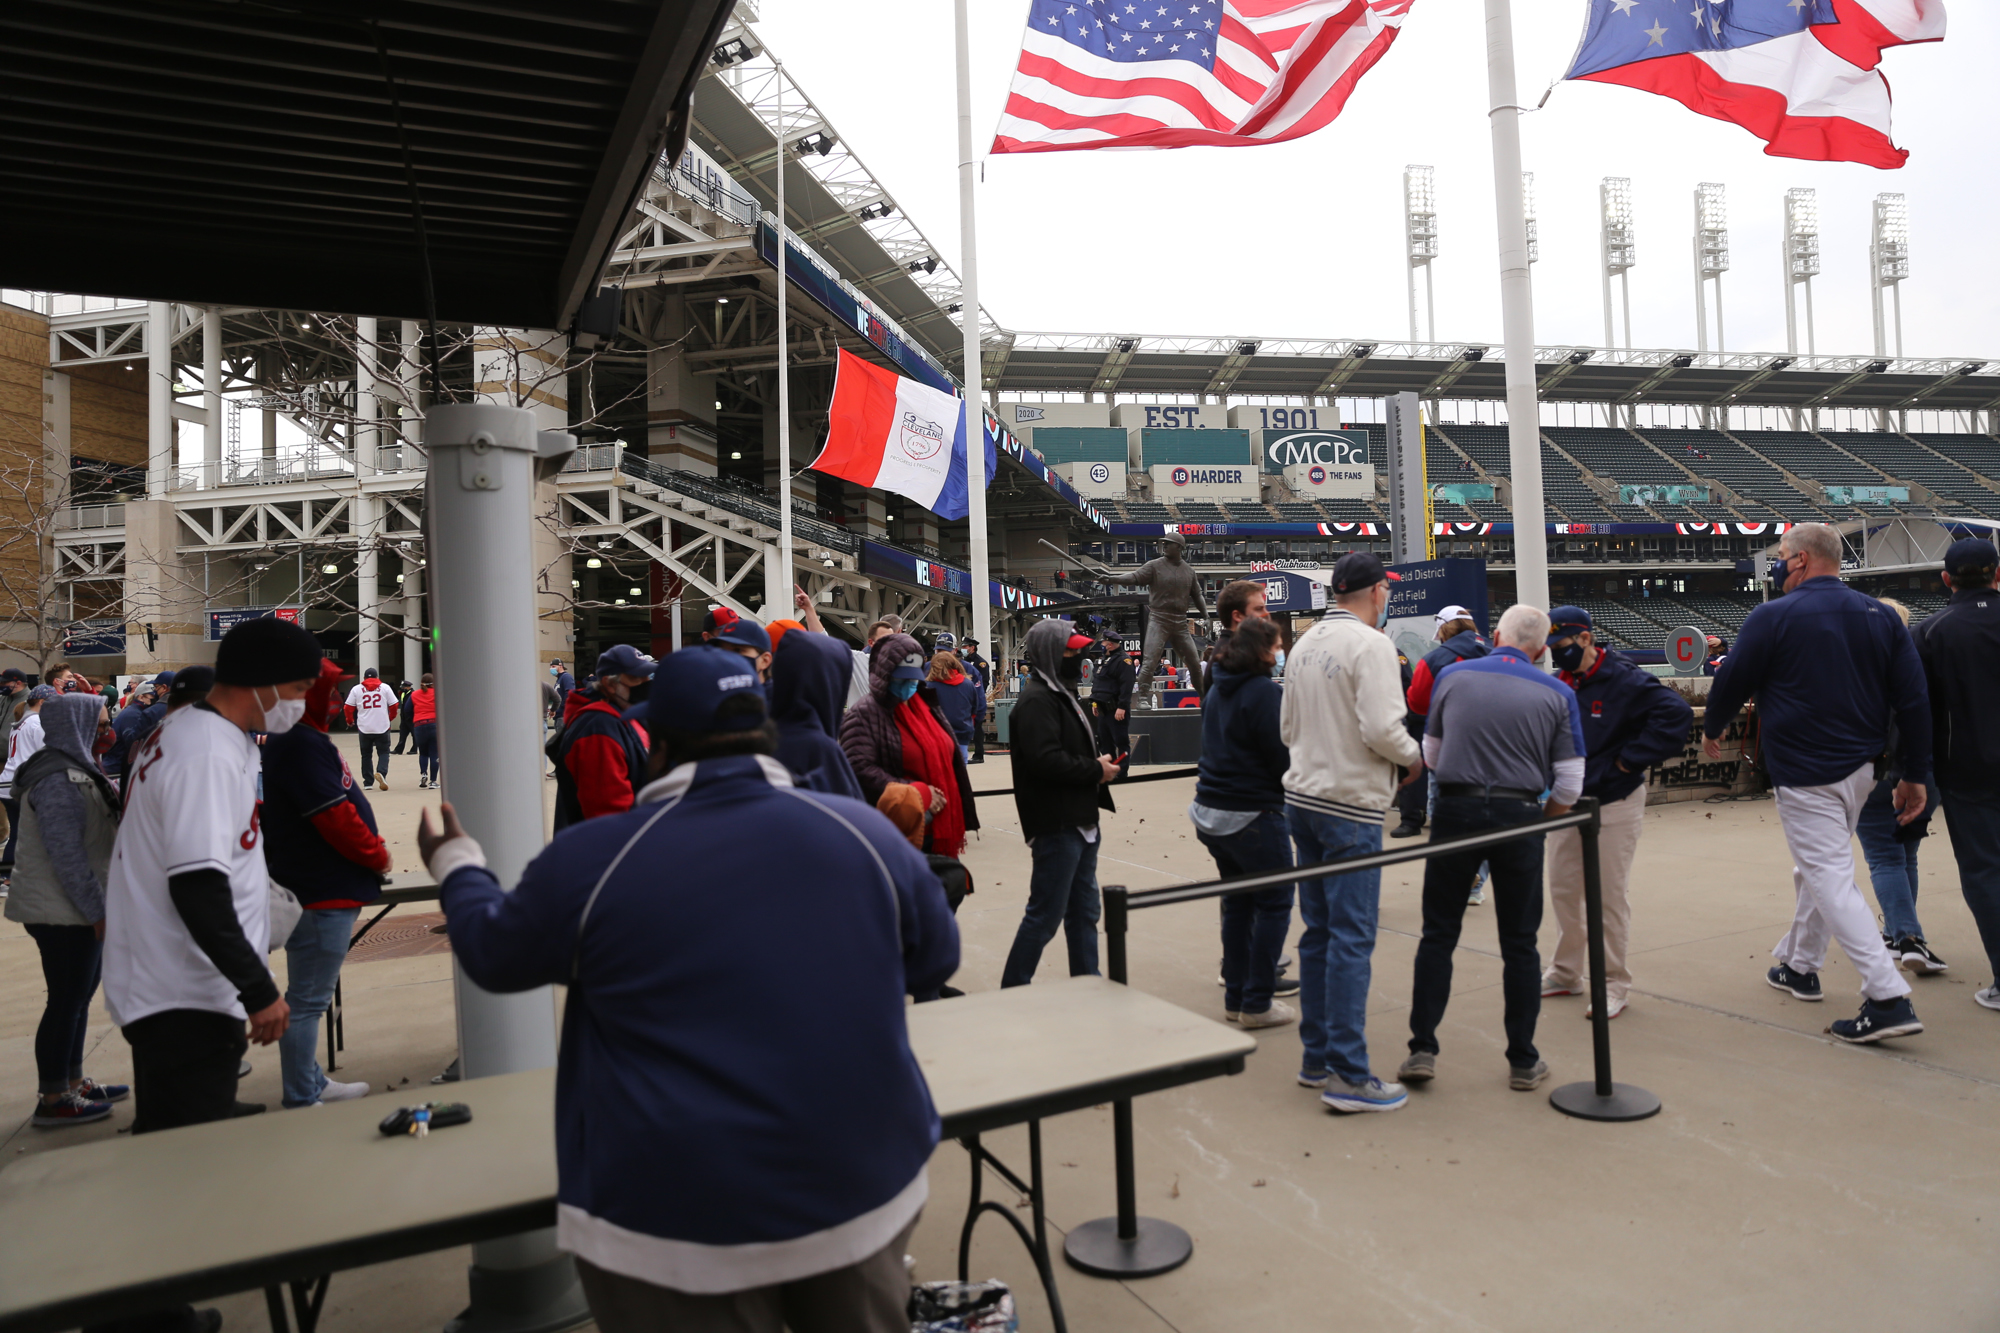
x=164 y=681
x=13 y=674
x=1969 y=553
x=742 y=633
x=622 y=659
x=1567 y=621
x=691 y=686
x=912 y=667
x=1360 y=569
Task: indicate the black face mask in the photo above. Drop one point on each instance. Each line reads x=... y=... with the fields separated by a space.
x=1071 y=668
x=639 y=693
x=1568 y=659
x=1780 y=570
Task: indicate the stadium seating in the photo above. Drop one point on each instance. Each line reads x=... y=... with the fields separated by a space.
x=1200 y=511
x=1567 y=498
x=1938 y=463
x=1239 y=511
x=1709 y=453
x=1148 y=512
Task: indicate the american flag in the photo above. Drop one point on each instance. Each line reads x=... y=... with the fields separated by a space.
x=1172 y=73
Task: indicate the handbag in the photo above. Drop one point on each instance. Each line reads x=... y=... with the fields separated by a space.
x=285 y=912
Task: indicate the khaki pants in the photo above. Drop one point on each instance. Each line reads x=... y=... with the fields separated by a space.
x=1617 y=841
x=872 y=1296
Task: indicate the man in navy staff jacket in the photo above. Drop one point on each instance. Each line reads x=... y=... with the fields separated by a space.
x=1828 y=667
x=1631 y=721
x=725 y=1157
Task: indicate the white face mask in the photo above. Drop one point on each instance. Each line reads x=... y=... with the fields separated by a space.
x=280 y=715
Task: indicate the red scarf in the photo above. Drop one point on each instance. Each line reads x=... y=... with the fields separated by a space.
x=930 y=756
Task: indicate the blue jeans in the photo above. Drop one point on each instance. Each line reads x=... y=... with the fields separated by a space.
x=1062 y=893
x=426 y=734
x=72 y=962
x=1517 y=913
x=1253 y=924
x=1973 y=817
x=313 y=956
x=1338 y=946
x=1892 y=861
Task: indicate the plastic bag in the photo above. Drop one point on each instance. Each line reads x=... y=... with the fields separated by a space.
x=963 y=1307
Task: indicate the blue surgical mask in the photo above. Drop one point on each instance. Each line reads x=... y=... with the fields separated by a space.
x=555 y=671
x=904 y=689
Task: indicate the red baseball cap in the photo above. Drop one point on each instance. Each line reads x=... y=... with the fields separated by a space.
x=1078 y=641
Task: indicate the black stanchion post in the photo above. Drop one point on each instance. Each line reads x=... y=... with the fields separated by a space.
x=1600 y=1099
x=1127 y=1245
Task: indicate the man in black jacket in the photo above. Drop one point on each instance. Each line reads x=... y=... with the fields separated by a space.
x=1058 y=789
x=1111 y=697
x=1959 y=647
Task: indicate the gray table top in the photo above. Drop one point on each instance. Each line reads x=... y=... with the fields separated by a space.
x=200 y=1212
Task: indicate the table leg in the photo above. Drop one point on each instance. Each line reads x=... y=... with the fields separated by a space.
x=333 y=1042
x=308 y=1298
x=1037 y=1241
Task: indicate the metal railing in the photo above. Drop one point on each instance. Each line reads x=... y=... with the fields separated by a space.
x=80 y=518
x=727 y=498
x=1601 y=1099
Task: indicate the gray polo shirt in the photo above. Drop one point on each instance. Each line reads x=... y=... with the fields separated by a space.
x=1501 y=721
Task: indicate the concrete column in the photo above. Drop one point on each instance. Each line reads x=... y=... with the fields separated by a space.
x=920 y=525
x=211 y=396
x=367 y=400
x=868 y=516
x=268 y=443
x=410 y=376
x=414 y=620
x=364 y=511
x=680 y=405
x=159 y=399
x=524 y=368
x=161 y=590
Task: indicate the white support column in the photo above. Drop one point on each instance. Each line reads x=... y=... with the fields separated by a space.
x=211 y=396
x=410 y=377
x=362 y=522
x=160 y=434
x=1517 y=313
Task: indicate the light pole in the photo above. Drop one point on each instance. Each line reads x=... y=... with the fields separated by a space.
x=1711 y=258
x=1420 y=240
x=1617 y=249
x=975 y=366
x=1888 y=265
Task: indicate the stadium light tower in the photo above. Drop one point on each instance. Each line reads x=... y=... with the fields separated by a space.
x=1618 y=247
x=1888 y=264
x=1801 y=262
x=1711 y=258
x=1528 y=215
x=1420 y=238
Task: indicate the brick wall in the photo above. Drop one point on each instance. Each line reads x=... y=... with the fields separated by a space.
x=24 y=359
x=107 y=413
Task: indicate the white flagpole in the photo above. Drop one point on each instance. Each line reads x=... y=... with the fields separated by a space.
x=1517 y=314
x=975 y=379
x=780 y=587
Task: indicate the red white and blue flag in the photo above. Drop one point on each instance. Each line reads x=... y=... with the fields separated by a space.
x=1173 y=73
x=1799 y=74
x=896 y=434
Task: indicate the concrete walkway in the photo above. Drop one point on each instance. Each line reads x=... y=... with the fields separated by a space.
x=1790 y=1182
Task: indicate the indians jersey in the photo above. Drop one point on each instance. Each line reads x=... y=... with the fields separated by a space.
x=190 y=804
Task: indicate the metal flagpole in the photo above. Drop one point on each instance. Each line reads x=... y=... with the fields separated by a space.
x=1517 y=314
x=780 y=587
x=975 y=377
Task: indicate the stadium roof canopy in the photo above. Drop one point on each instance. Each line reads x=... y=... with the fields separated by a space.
x=1132 y=364
x=248 y=154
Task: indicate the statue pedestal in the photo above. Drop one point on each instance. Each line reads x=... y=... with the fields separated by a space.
x=1166 y=736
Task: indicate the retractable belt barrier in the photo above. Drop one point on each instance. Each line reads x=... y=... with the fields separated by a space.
x=1116 y=782
x=1132 y=1246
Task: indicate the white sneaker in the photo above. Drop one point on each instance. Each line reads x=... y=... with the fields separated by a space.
x=1617 y=1007
x=344 y=1092
x=1990 y=997
x=1477 y=897
x=1276 y=1016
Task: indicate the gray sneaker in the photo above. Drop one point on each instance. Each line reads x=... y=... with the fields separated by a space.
x=1421 y=1067
x=1527 y=1080
x=1374 y=1095
x=1990 y=997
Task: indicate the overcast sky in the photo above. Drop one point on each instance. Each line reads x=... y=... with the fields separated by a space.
x=1305 y=239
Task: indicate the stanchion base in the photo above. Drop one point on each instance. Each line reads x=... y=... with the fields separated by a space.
x=1625 y=1102
x=546 y=1298
x=1095 y=1248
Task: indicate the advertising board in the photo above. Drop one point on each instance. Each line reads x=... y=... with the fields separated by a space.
x=1186 y=481
x=1332 y=481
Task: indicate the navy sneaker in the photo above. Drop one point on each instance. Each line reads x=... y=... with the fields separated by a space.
x=93 y=1091
x=1878 y=1019
x=1799 y=985
x=69 y=1109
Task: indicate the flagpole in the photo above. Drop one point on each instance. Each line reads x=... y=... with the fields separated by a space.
x=1517 y=314
x=974 y=378
x=778 y=595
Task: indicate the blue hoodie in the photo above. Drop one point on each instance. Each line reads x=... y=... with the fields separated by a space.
x=809 y=683
x=1243 y=761
x=711 y=1137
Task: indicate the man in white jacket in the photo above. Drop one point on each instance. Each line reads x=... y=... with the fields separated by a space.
x=1343 y=721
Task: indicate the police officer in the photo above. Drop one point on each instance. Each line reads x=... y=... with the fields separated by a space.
x=1828 y=666
x=1111 y=696
x=1631 y=721
x=980 y=671
x=1959 y=647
